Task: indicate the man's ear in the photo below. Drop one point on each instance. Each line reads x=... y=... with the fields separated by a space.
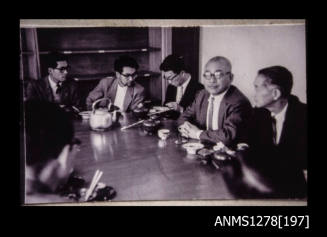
x=50 y=70
x=231 y=77
x=276 y=93
x=117 y=74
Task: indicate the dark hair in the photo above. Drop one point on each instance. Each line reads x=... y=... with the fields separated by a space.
x=279 y=76
x=48 y=129
x=174 y=63
x=54 y=57
x=125 y=61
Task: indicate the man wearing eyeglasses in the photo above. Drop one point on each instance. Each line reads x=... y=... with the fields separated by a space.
x=122 y=90
x=55 y=87
x=220 y=112
x=182 y=88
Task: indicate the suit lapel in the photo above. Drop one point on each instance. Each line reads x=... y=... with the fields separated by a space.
x=48 y=90
x=223 y=106
x=113 y=90
x=203 y=109
x=286 y=126
x=188 y=92
x=222 y=111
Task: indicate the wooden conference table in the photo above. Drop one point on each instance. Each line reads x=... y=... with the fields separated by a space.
x=140 y=166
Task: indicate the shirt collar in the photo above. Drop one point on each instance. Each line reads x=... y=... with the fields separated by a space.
x=217 y=97
x=184 y=85
x=281 y=114
x=52 y=83
x=122 y=87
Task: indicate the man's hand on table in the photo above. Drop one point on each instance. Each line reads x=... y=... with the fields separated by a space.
x=189 y=130
x=175 y=106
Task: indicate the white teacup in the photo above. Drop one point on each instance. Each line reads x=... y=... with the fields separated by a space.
x=163 y=133
x=192 y=148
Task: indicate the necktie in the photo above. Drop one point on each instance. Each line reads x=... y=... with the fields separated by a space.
x=179 y=94
x=58 y=88
x=210 y=113
x=274 y=130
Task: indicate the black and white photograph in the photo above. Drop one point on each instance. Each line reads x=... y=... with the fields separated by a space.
x=163 y=112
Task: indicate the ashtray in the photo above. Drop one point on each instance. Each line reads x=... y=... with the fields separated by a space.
x=102 y=192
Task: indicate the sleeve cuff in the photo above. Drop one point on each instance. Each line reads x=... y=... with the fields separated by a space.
x=198 y=134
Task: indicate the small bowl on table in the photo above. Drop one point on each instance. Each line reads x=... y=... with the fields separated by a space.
x=85 y=114
x=192 y=147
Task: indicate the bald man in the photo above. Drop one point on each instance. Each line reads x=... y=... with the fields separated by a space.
x=220 y=112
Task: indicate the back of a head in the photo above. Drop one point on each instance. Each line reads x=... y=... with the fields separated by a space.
x=280 y=76
x=173 y=63
x=47 y=130
x=125 y=61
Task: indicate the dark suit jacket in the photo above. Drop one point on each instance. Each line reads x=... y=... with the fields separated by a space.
x=234 y=113
x=188 y=97
x=41 y=90
x=107 y=88
x=281 y=164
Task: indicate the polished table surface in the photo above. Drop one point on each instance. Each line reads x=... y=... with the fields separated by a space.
x=140 y=166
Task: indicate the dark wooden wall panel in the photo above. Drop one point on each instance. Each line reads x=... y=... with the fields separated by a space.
x=88 y=64
x=92 y=38
x=185 y=42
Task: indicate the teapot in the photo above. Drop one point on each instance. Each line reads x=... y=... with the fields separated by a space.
x=102 y=118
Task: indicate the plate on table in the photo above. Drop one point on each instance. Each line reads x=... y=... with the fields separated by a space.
x=192 y=147
x=85 y=114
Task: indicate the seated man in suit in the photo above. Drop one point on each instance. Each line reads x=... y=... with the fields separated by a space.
x=220 y=112
x=50 y=151
x=278 y=133
x=55 y=87
x=182 y=87
x=122 y=90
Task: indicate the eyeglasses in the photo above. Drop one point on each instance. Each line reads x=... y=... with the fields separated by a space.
x=171 y=78
x=217 y=75
x=62 y=69
x=132 y=76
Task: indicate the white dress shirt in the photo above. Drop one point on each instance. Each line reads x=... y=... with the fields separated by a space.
x=216 y=106
x=54 y=88
x=120 y=96
x=181 y=90
x=280 y=118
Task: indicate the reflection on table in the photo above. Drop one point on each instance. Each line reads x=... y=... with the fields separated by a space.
x=140 y=166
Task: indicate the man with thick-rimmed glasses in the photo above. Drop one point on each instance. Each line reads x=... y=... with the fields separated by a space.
x=55 y=87
x=219 y=113
x=122 y=89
